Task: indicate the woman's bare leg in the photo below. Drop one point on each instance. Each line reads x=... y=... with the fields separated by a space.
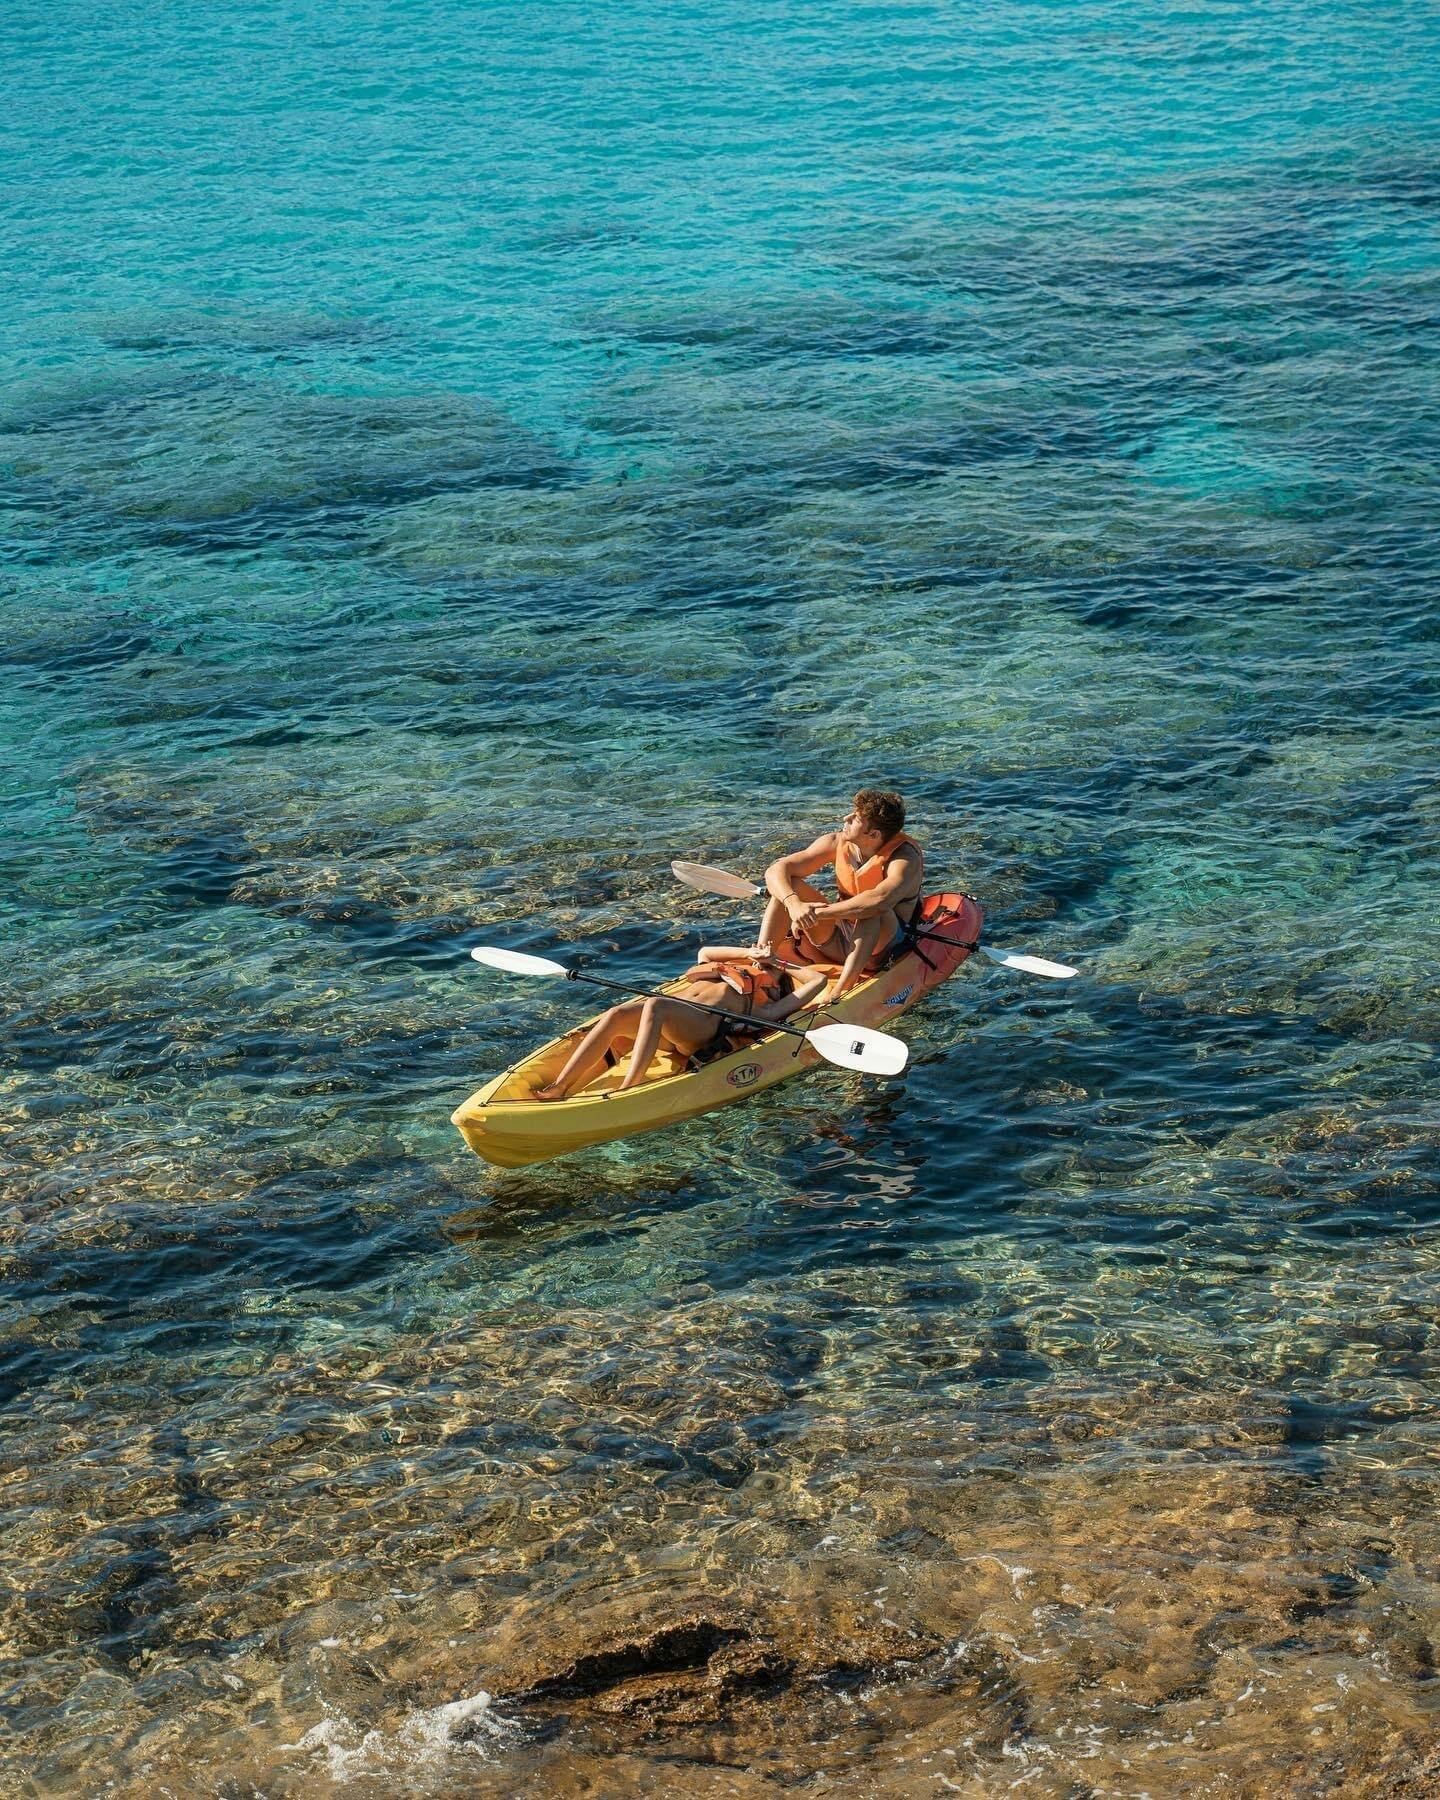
x=647 y=1041
x=588 y=1057
x=674 y=1023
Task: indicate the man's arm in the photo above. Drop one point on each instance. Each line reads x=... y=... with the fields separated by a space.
x=781 y=876
x=785 y=870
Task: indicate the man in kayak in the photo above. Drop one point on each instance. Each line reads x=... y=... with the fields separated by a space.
x=880 y=873
x=736 y=981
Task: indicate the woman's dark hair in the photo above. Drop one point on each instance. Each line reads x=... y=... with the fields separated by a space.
x=881 y=811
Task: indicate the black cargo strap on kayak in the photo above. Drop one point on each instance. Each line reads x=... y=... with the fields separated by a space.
x=907 y=941
x=816 y=1014
x=914 y=932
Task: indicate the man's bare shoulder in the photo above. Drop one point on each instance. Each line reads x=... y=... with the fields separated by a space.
x=906 y=863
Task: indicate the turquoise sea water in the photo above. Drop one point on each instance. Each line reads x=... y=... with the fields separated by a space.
x=455 y=459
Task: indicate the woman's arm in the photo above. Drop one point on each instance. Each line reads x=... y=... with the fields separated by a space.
x=804 y=992
x=849 y=971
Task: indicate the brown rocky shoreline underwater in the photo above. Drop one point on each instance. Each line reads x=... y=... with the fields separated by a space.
x=668 y=1577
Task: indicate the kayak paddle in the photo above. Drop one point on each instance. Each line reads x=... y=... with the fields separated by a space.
x=736 y=887
x=714 y=881
x=847 y=1046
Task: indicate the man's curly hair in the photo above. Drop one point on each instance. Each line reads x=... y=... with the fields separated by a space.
x=881 y=811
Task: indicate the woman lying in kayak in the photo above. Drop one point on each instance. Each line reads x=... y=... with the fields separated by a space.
x=737 y=981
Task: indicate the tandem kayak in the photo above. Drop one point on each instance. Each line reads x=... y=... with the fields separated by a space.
x=506 y=1125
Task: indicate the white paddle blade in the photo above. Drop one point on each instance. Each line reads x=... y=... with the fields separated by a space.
x=1029 y=965
x=714 y=881
x=858 y=1047
x=516 y=962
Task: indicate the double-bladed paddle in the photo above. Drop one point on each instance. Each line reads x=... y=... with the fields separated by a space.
x=847 y=1046
x=736 y=887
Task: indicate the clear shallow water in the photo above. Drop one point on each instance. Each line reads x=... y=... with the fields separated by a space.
x=453 y=462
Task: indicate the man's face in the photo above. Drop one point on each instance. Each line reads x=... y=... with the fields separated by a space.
x=856 y=831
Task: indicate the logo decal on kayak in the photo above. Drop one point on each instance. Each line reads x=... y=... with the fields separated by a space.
x=900 y=998
x=744 y=1075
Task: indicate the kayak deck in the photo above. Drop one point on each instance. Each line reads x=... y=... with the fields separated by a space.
x=503 y=1122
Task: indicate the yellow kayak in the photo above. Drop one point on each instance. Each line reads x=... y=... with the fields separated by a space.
x=507 y=1126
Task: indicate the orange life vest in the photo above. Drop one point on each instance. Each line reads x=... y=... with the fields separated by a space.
x=852 y=880
x=757 y=983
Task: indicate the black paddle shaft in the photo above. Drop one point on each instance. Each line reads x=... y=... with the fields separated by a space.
x=618 y=987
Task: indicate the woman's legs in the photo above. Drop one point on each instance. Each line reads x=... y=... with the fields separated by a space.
x=588 y=1056
x=647 y=1040
x=648 y=1022
x=671 y=1022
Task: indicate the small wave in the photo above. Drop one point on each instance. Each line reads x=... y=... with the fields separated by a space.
x=422 y=1741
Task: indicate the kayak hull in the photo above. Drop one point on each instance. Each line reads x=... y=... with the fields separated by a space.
x=505 y=1126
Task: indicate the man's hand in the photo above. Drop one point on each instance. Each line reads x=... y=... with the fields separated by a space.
x=803 y=913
